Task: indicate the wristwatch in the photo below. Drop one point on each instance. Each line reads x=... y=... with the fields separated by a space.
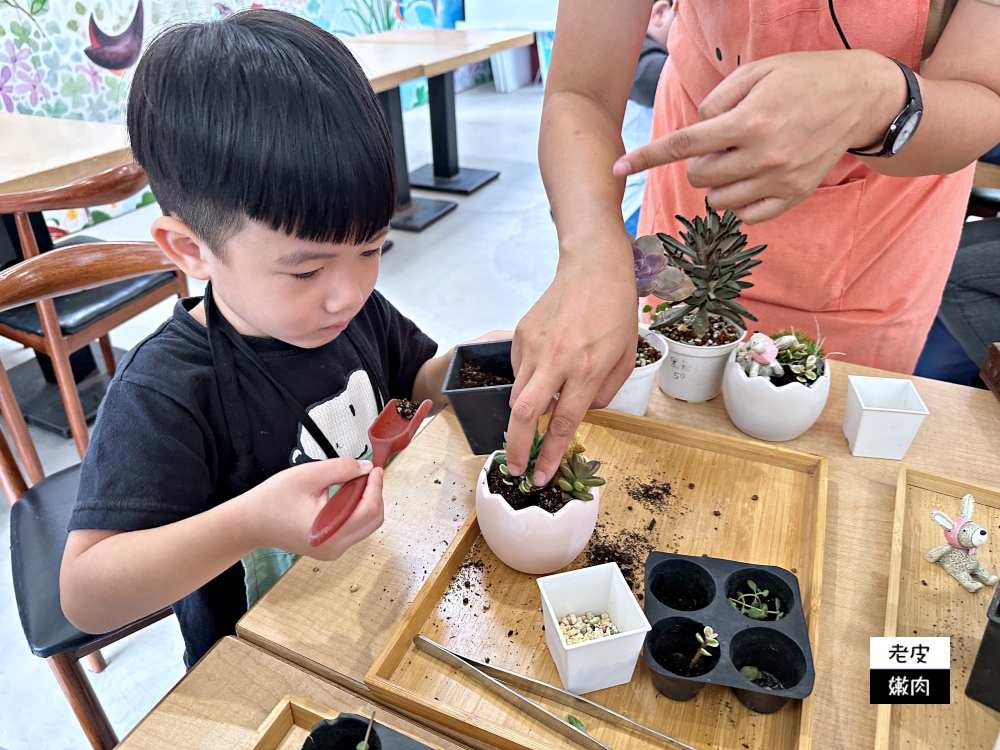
x=905 y=124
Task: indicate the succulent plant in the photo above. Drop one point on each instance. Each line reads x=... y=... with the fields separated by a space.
x=754 y=604
x=763 y=356
x=523 y=482
x=802 y=355
x=655 y=275
x=577 y=476
x=713 y=255
x=705 y=642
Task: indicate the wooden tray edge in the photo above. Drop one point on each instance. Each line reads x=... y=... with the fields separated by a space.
x=694 y=437
x=288 y=712
x=817 y=554
x=909 y=476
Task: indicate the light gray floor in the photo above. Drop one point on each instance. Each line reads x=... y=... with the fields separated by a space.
x=478 y=269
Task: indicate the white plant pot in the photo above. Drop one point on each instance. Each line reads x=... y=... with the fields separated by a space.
x=533 y=540
x=602 y=662
x=694 y=373
x=764 y=411
x=882 y=416
x=633 y=396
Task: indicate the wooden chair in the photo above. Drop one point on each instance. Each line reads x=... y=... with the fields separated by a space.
x=64 y=325
x=40 y=512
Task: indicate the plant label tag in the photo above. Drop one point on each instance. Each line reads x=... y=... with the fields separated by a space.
x=910 y=670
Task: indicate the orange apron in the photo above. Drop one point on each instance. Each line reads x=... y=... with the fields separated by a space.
x=865 y=256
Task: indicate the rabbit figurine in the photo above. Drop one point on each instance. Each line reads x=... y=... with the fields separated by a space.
x=964 y=538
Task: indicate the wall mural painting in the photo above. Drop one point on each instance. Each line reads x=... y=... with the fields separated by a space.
x=74 y=58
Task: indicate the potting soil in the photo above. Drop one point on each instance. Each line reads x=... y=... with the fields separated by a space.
x=720 y=332
x=548 y=498
x=473 y=376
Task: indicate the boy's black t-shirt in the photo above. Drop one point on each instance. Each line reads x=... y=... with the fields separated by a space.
x=160 y=450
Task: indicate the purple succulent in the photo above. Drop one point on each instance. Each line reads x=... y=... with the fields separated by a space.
x=655 y=275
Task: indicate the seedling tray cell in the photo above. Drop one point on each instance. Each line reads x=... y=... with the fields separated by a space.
x=729 y=498
x=684 y=593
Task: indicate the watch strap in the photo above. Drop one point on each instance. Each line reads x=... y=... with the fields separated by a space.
x=914 y=103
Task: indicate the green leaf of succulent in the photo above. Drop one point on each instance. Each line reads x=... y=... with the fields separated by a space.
x=765 y=592
x=750 y=673
x=699 y=637
x=593 y=482
x=566 y=471
x=757 y=613
x=752 y=585
x=704 y=652
x=585 y=496
x=564 y=485
x=578 y=486
x=576 y=723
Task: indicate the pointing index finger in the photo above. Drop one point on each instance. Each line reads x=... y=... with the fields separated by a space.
x=708 y=137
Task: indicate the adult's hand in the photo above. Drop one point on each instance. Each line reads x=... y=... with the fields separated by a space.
x=578 y=340
x=770 y=132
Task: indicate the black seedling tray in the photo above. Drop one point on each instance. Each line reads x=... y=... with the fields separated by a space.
x=697 y=591
x=483 y=412
x=347 y=730
x=984 y=679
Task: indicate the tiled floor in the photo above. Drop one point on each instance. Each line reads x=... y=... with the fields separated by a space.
x=479 y=268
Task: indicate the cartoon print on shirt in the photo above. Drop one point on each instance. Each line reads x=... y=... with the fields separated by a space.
x=344 y=419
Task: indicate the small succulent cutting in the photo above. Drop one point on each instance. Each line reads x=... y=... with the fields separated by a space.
x=712 y=254
x=785 y=357
x=576 y=476
x=754 y=605
x=706 y=640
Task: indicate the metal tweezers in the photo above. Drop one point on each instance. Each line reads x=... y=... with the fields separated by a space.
x=494 y=677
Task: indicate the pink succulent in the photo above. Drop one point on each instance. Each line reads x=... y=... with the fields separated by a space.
x=33 y=86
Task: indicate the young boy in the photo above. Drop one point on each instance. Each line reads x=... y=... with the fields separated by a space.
x=272 y=161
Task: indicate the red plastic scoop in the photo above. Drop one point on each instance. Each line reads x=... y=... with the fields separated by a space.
x=388 y=435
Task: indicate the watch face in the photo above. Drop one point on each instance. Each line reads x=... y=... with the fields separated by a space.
x=906 y=131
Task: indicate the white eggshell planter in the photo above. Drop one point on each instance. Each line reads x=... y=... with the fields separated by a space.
x=602 y=662
x=633 y=396
x=533 y=540
x=694 y=373
x=882 y=416
x=763 y=410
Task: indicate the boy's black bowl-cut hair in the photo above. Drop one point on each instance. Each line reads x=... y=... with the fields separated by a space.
x=262 y=115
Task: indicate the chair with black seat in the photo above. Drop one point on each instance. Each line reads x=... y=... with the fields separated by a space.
x=40 y=512
x=68 y=323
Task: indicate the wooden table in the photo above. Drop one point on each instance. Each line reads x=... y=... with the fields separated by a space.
x=466 y=47
x=495 y=41
x=222 y=702
x=961 y=438
x=40 y=152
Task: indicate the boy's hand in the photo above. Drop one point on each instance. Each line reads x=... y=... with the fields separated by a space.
x=285 y=506
x=492 y=336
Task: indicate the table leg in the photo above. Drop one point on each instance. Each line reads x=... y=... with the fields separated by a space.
x=412 y=214
x=445 y=174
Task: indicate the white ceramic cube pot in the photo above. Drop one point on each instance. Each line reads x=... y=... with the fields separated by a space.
x=602 y=662
x=694 y=373
x=633 y=396
x=533 y=540
x=764 y=411
x=882 y=416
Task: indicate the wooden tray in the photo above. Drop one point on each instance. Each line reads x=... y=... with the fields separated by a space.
x=925 y=600
x=731 y=498
x=288 y=725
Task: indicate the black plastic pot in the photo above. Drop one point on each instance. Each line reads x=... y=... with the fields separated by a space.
x=984 y=679
x=347 y=730
x=683 y=594
x=482 y=412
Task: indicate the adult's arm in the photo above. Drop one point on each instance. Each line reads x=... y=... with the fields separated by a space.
x=578 y=340
x=770 y=132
